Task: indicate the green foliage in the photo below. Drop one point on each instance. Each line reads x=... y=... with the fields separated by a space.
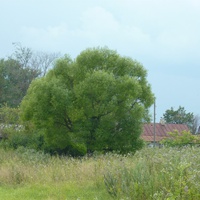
x=15 y=134
x=9 y=120
x=98 y=102
x=18 y=71
x=9 y=115
x=179 y=116
x=181 y=139
x=156 y=174
x=16 y=139
x=15 y=81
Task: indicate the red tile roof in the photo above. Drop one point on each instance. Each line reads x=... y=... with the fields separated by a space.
x=161 y=131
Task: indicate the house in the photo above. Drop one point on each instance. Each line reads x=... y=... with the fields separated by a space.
x=161 y=130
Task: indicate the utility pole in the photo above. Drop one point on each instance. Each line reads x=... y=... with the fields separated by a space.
x=154 y=124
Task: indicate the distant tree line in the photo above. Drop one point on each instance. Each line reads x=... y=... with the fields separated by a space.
x=18 y=70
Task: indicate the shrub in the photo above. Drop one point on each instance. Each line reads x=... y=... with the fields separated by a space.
x=9 y=120
x=181 y=139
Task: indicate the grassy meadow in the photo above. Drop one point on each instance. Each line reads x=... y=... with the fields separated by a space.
x=165 y=173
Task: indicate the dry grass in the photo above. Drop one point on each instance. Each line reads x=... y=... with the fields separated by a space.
x=27 y=166
x=40 y=176
x=167 y=173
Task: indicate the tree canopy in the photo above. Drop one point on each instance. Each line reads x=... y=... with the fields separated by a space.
x=18 y=71
x=94 y=102
x=179 y=116
x=14 y=81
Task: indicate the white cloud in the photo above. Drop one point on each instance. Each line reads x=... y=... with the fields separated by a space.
x=99 y=21
x=155 y=29
x=51 y=32
x=98 y=27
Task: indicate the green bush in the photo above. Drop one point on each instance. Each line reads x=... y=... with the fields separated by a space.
x=9 y=120
x=16 y=139
x=14 y=133
x=9 y=115
x=183 y=138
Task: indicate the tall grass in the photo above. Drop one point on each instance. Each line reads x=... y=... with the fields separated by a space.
x=29 y=166
x=51 y=177
x=167 y=173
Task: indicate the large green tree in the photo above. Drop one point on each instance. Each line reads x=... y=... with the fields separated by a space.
x=97 y=101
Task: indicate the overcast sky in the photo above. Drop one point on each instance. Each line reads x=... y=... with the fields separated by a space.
x=163 y=35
